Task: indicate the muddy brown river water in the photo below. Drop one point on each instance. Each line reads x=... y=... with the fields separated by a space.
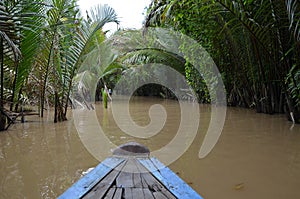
x=256 y=156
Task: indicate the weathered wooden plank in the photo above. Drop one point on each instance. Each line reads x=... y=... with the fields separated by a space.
x=166 y=193
x=137 y=180
x=130 y=166
x=138 y=193
x=83 y=185
x=128 y=193
x=125 y=179
x=100 y=189
x=141 y=169
x=147 y=194
x=110 y=193
x=171 y=181
x=151 y=182
x=100 y=192
x=159 y=195
x=144 y=183
x=155 y=186
x=118 y=193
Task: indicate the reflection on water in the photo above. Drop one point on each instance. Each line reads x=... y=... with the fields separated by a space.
x=257 y=156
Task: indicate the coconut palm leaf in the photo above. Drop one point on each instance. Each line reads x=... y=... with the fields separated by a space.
x=8 y=31
x=293 y=9
x=259 y=29
x=85 y=35
x=30 y=19
x=135 y=47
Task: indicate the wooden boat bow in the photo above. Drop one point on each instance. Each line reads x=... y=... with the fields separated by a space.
x=131 y=174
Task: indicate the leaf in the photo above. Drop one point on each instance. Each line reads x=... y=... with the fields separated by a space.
x=239 y=186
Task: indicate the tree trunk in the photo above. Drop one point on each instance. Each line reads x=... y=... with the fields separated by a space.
x=59 y=115
x=14 y=86
x=2 y=73
x=2 y=117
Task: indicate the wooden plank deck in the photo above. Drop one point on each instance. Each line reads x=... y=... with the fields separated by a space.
x=131 y=174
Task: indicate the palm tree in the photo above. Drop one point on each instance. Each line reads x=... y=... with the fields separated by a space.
x=67 y=39
x=31 y=20
x=43 y=43
x=255 y=43
x=9 y=49
x=16 y=22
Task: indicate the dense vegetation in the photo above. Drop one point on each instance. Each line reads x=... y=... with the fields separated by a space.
x=42 y=44
x=255 y=44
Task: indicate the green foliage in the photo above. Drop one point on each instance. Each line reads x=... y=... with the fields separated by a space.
x=67 y=39
x=44 y=43
x=136 y=49
x=293 y=10
x=255 y=45
x=293 y=82
x=197 y=83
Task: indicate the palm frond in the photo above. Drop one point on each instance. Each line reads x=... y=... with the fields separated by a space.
x=293 y=10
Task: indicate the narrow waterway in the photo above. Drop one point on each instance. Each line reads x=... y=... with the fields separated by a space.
x=257 y=155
